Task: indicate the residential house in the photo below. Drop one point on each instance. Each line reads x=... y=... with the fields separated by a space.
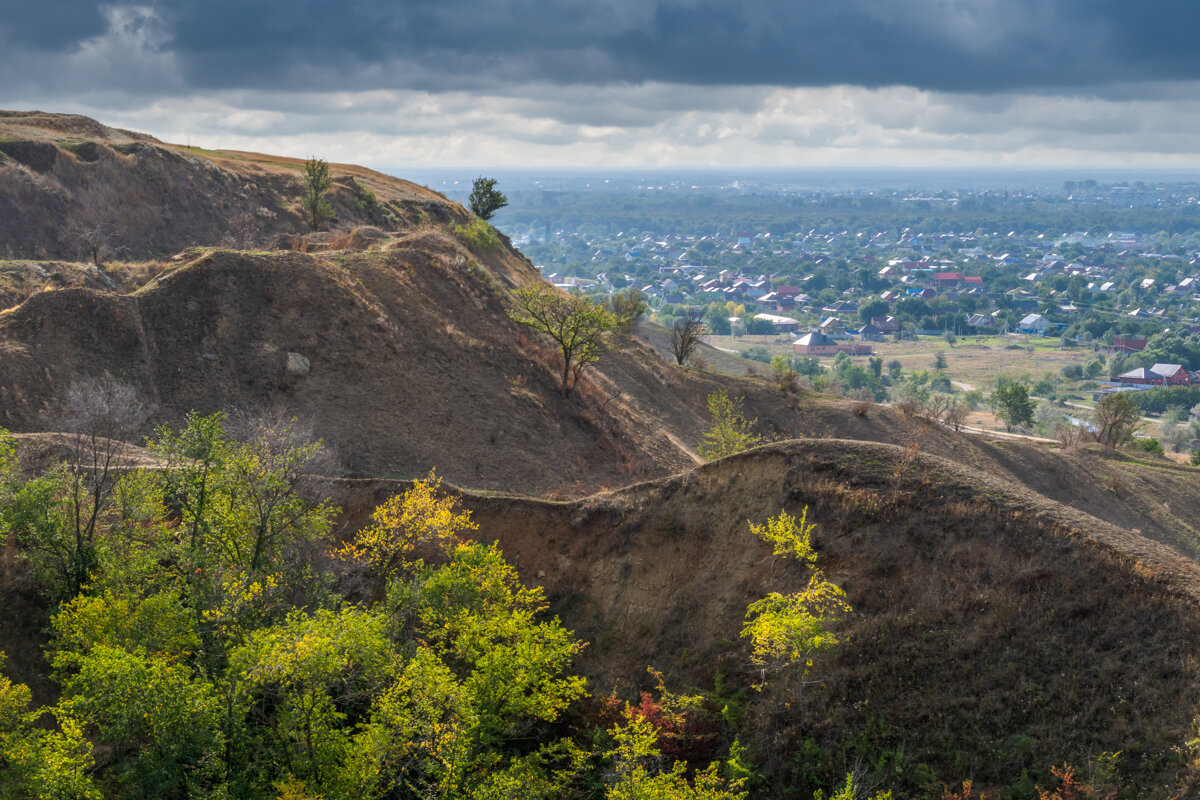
x=1157 y=375
x=815 y=343
x=888 y=324
x=1128 y=344
x=1033 y=323
x=978 y=321
x=1171 y=375
x=834 y=327
x=870 y=333
x=782 y=324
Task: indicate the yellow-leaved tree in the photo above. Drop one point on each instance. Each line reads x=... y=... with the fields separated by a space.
x=787 y=630
x=420 y=517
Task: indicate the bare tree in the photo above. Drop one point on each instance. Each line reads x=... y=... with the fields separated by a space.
x=686 y=333
x=96 y=238
x=956 y=413
x=244 y=232
x=101 y=415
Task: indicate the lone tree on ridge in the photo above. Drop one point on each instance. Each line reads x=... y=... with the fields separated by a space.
x=485 y=198
x=316 y=187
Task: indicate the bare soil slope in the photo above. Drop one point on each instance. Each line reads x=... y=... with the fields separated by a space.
x=404 y=358
x=62 y=175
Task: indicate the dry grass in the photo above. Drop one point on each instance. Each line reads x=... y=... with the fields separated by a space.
x=976 y=361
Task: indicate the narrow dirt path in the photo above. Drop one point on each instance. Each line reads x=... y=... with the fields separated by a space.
x=675 y=440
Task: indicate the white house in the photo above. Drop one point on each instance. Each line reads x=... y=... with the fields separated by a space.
x=1033 y=323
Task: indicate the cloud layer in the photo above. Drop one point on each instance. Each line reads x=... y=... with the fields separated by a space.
x=946 y=45
x=627 y=81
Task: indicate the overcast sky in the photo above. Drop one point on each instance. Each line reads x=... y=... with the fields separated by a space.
x=608 y=83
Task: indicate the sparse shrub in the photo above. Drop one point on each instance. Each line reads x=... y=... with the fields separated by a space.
x=860 y=409
x=1044 y=387
x=909 y=406
x=478 y=235
x=1069 y=436
x=757 y=354
x=783 y=374
x=1149 y=445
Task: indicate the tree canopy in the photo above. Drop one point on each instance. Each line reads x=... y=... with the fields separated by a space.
x=1012 y=404
x=576 y=324
x=486 y=199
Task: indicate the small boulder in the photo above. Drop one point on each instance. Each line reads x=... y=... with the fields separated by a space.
x=297 y=364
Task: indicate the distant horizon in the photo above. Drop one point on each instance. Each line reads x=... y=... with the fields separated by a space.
x=818 y=178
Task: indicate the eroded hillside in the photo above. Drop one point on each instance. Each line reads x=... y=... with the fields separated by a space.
x=994 y=630
x=67 y=180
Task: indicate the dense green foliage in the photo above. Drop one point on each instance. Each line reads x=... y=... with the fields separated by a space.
x=478 y=235
x=210 y=654
x=1159 y=399
x=1117 y=419
x=1012 y=404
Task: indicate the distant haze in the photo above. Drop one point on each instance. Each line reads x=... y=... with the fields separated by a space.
x=455 y=182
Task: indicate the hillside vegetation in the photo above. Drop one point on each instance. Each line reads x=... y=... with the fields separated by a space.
x=318 y=624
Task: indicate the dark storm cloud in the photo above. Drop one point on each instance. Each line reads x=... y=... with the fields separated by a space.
x=51 y=25
x=948 y=45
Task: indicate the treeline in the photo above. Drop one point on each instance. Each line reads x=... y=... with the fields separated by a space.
x=1160 y=399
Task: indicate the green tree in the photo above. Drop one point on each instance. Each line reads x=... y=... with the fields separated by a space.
x=1117 y=419
x=486 y=199
x=576 y=324
x=628 y=307
x=37 y=763
x=635 y=777
x=939 y=360
x=314 y=199
x=1012 y=404
x=730 y=432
